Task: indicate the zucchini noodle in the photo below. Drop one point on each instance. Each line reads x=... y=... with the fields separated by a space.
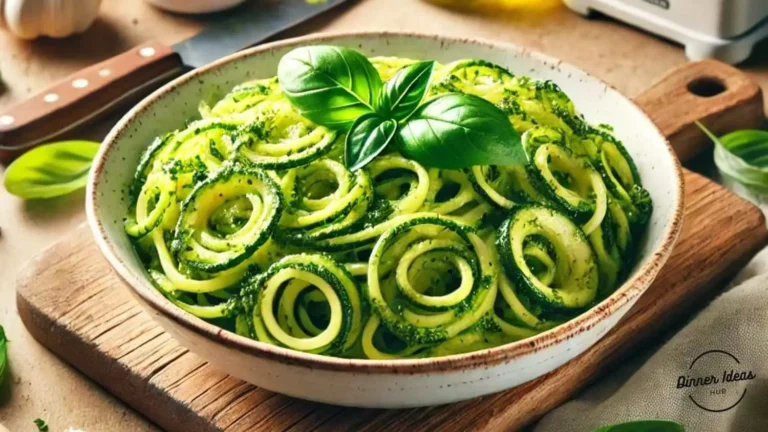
x=199 y=246
x=424 y=255
x=305 y=211
x=449 y=191
x=242 y=98
x=279 y=289
x=576 y=279
x=416 y=189
x=281 y=138
x=249 y=219
x=577 y=187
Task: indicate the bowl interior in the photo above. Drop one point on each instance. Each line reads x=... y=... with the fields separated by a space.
x=177 y=102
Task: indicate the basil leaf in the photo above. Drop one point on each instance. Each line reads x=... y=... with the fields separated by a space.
x=456 y=131
x=42 y=426
x=332 y=86
x=743 y=156
x=748 y=144
x=404 y=92
x=643 y=426
x=51 y=170
x=369 y=136
x=3 y=354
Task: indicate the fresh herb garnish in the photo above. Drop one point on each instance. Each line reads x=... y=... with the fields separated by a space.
x=51 y=170
x=3 y=354
x=332 y=86
x=403 y=93
x=368 y=137
x=643 y=426
x=339 y=88
x=41 y=425
x=457 y=131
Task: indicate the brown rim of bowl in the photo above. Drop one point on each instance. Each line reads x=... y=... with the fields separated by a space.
x=628 y=291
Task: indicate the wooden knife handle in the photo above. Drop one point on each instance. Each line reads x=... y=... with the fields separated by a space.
x=720 y=96
x=85 y=96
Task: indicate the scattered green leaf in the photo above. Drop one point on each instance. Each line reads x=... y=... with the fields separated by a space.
x=42 y=426
x=403 y=93
x=51 y=170
x=3 y=354
x=456 y=131
x=332 y=86
x=643 y=426
x=743 y=156
x=369 y=136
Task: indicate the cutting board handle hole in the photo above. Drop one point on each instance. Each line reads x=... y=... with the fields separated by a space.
x=707 y=86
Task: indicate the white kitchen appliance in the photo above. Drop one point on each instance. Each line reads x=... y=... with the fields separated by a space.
x=727 y=30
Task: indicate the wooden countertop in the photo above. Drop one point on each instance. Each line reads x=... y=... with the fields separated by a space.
x=41 y=385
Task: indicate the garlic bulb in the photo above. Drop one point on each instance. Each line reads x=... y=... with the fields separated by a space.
x=29 y=19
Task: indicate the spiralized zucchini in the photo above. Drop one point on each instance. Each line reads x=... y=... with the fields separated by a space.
x=549 y=256
x=199 y=245
x=281 y=300
x=248 y=218
x=429 y=278
x=280 y=138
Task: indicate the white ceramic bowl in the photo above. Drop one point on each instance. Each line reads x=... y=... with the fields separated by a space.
x=369 y=383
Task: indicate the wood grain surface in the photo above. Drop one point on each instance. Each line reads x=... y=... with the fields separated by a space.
x=714 y=93
x=71 y=302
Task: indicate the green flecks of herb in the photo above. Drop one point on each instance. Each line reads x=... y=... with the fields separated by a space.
x=51 y=170
x=214 y=150
x=172 y=168
x=42 y=426
x=199 y=175
x=605 y=127
x=450 y=131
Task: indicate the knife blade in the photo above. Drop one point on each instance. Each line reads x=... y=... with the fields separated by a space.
x=97 y=90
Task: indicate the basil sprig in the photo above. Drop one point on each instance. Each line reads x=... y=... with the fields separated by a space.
x=339 y=88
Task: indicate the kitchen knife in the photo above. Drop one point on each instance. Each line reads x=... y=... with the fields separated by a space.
x=92 y=92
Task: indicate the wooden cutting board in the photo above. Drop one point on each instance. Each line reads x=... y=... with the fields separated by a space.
x=72 y=303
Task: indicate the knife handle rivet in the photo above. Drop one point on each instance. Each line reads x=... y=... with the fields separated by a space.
x=147 y=52
x=6 y=120
x=105 y=72
x=51 y=97
x=80 y=83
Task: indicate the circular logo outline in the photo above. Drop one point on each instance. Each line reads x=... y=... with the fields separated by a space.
x=744 y=393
